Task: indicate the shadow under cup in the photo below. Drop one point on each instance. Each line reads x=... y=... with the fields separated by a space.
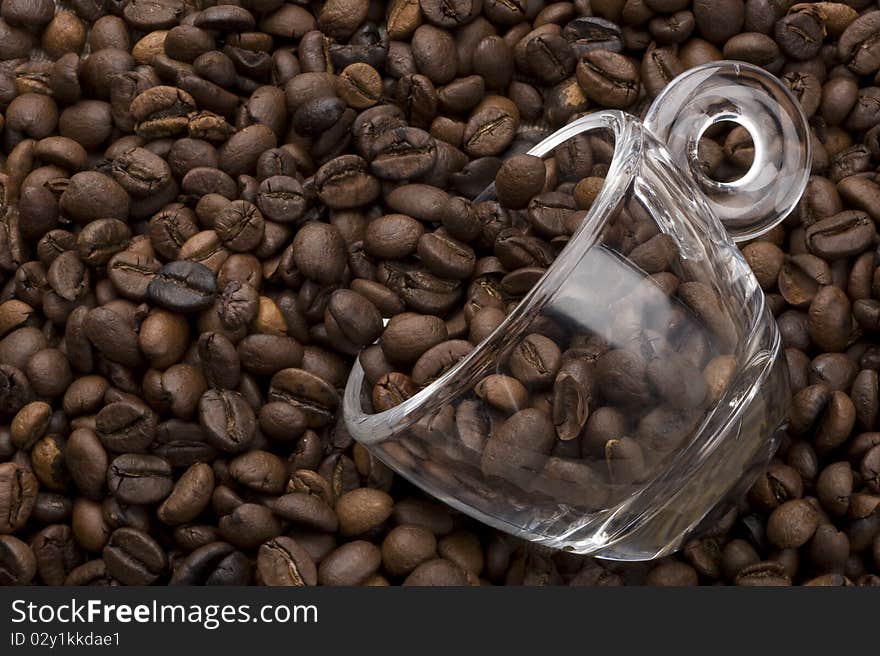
x=635 y=384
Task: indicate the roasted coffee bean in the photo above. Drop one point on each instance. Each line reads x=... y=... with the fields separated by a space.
x=842 y=235
x=139 y=479
x=183 y=286
x=126 y=426
x=437 y=572
x=608 y=78
x=113 y=335
x=830 y=319
x=800 y=278
x=393 y=236
x=535 y=361
x=519 y=447
x=133 y=557
x=352 y=318
x=792 y=524
x=249 y=525
x=18 y=565
x=438 y=359
x=227 y=419
x=282 y=561
x=857 y=46
x=406 y=547
x=18 y=491
x=240 y=226
x=47 y=461
x=87 y=462
x=769 y=573
x=349 y=564
x=491 y=127
x=306 y=391
x=319 y=252
x=362 y=510
x=519 y=179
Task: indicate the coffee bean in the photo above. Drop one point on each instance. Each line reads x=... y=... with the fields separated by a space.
x=768 y=573
x=133 y=557
x=393 y=236
x=126 y=426
x=18 y=565
x=18 y=490
x=350 y=564
x=113 y=336
x=319 y=252
x=87 y=462
x=830 y=322
x=139 y=479
x=227 y=419
x=608 y=78
x=306 y=391
x=183 y=286
x=842 y=235
x=249 y=525
x=792 y=524
x=283 y=561
x=519 y=446
x=189 y=497
x=362 y=510
x=491 y=127
x=672 y=573
x=437 y=572
x=519 y=179
x=856 y=46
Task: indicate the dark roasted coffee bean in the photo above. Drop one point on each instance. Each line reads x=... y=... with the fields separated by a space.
x=319 y=252
x=391 y=390
x=183 y=286
x=830 y=319
x=139 y=479
x=240 y=226
x=227 y=419
x=87 y=462
x=858 y=44
x=18 y=564
x=491 y=127
x=113 y=336
x=842 y=235
x=350 y=564
x=126 y=426
x=437 y=572
x=438 y=359
x=249 y=525
x=608 y=78
x=133 y=557
x=519 y=179
x=393 y=236
x=282 y=561
x=535 y=361
x=792 y=524
x=18 y=490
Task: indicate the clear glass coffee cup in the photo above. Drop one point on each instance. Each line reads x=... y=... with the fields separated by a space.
x=637 y=383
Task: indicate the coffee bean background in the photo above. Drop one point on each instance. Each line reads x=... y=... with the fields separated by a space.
x=207 y=211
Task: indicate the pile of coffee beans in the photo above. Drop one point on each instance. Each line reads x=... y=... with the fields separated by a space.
x=208 y=211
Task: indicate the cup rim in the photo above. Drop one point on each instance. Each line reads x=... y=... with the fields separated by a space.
x=375 y=428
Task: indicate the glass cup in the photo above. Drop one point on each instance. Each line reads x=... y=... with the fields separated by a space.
x=637 y=382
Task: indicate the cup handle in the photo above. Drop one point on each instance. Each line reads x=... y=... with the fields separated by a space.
x=752 y=97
